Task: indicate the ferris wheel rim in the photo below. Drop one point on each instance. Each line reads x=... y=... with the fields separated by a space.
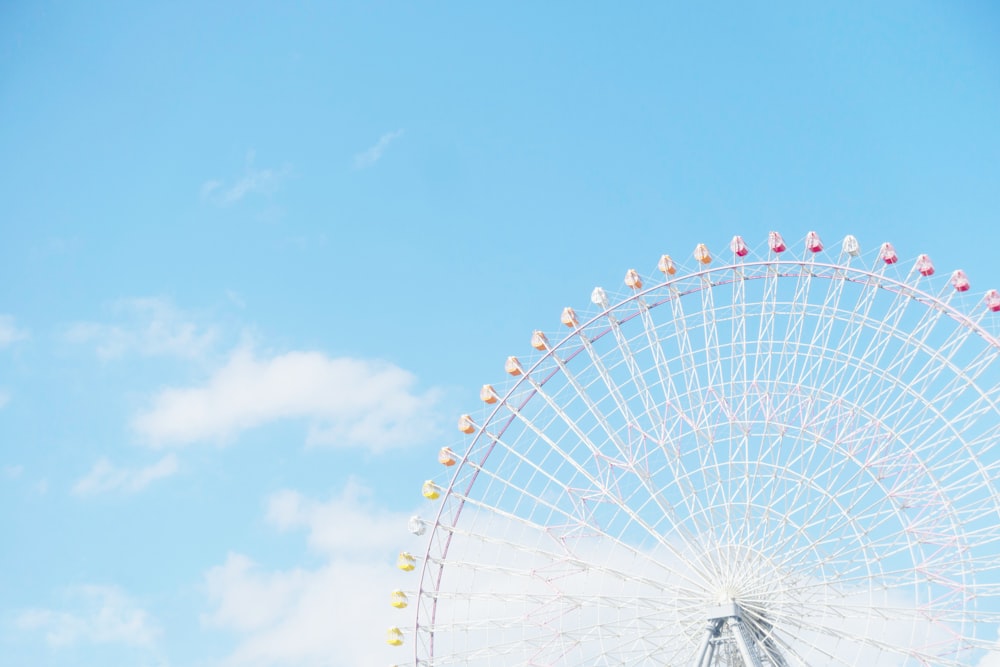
x=864 y=278
x=893 y=285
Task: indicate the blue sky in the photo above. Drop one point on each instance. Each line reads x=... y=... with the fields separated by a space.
x=256 y=258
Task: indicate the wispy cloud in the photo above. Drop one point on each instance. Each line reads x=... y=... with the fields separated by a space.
x=254 y=181
x=9 y=332
x=145 y=326
x=347 y=402
x=347 y=524
x=97 y=615
x=369 y=157
x=992 y=656
x=105 y=477
x=283 y=617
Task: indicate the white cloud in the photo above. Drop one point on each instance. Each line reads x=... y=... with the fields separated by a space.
x=347 y=524
x=992 y=656
x=335 y=615
x=9 y=332
x=99 y=615
x=12 y=471
x=4 y=397
x=332 y=615
x=348 y=402
x=253 y=181
x=369 y=157
x=105 y=477
x=147 y=326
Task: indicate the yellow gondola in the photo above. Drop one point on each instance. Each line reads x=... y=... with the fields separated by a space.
x=406 y=562
x=431 y=490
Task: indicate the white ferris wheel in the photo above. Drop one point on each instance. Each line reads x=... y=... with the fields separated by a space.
x=787 y=457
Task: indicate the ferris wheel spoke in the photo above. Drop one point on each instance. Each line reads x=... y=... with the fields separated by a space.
x=584 y=637
x=634 y=460
x=796 y=322
x=632 y=365
x=710 y=335
x=853 y=326
x=669 y=512
x=820 y=532
x=884 y=330
x=874 y=639
x=615 y=499
x=511 y=573
x=710 y=395
x=602 y=370
x=813 y=362
x=765 y=328
x=738 y=373
x=947 y=428
x=689 y=366
x=567 y=555
x=926 y=446
x=823 y=532
x=917 y=343
x=671 y=400
x=898 y=490
x=696 y=402
x=498 y=649
x=793 y=495
x=870 y=610
x=575 y=600
x=948 y=392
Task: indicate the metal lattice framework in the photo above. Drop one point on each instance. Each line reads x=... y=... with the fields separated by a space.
x=776 y=461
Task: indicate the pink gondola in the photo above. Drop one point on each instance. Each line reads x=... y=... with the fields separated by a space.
x=888 y=253
x=993 y=300
x=739 y=246
x=813 y=242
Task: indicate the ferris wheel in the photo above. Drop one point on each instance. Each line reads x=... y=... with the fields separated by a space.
x=783 y=458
